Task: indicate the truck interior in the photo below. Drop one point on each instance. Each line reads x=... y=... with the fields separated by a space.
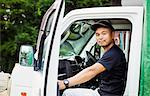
x=78 y=47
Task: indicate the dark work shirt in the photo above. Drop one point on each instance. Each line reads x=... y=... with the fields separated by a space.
x=113 y=79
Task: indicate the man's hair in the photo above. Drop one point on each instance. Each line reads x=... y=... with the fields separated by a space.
x=103 y=24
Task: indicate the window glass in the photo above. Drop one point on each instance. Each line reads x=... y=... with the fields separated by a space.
x=79 y=33
x=75 y=38
x=47 y=30
x=49 y=24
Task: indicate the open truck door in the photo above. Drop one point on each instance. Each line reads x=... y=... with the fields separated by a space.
x=74 y=37
x=29 y=81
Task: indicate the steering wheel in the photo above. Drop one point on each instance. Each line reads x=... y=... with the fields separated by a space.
x=90 y=59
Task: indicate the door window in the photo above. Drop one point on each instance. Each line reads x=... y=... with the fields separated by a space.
x=47 y=31
x=43 y=33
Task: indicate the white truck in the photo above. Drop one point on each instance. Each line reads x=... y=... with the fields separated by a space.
x=66 y=45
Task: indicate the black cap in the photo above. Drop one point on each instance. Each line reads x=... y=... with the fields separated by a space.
x=104 y=24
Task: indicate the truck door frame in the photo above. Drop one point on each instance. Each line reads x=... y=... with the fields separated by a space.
x=50 y=40
x=133 y=14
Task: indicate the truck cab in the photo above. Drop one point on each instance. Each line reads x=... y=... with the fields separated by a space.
x=66 y=45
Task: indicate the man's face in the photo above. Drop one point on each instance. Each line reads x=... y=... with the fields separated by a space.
x=104 y=36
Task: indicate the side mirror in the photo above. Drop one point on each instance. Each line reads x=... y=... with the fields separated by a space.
x=26 y=55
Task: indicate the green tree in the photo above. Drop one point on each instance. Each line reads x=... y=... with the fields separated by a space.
x=20 y=20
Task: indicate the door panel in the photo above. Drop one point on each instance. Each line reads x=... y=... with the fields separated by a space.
x=48 y=30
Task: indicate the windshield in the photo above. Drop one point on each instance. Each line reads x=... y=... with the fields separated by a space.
x=75 y=38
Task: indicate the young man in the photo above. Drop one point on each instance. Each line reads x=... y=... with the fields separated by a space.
x=111 y=68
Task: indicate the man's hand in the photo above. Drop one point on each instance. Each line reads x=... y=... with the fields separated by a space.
x=61 y=84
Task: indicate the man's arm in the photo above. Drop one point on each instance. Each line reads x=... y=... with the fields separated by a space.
x=83 y=76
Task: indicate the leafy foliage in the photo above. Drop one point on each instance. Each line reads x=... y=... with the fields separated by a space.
x=73 y=4
x=20 y=21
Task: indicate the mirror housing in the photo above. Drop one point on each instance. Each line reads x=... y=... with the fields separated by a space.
x=26 y=55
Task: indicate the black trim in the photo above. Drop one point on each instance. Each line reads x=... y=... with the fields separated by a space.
x=37 y=64
x=50 y=50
